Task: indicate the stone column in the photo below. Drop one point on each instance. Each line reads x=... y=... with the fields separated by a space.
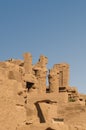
x=63 y=71
x=53 y=79
x=66 y=75
x=27 y=63
x=41 y=72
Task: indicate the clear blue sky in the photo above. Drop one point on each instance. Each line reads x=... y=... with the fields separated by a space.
x=55 y=28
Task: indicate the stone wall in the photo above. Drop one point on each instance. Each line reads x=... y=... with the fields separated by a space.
x=40 y=71
x=53 y=79
x=63 y=72
x=59 y=77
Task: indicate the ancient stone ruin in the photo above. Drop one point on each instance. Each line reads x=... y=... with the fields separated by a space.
x=28 y=96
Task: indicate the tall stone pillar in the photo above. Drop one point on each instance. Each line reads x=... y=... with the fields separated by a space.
x=27 y=63
x=65 y=75
x=53 y=79
x=63 y=72
x=41 y=72
x=59 y=77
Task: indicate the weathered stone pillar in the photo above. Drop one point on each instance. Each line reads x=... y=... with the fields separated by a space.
x=27 y=63
x=63 y=71
x=41 y=72
x=59 y=77
x=53 y=79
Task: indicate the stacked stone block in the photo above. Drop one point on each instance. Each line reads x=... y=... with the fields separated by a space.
x=27 y=63
x=59 y=77
x=53 y=80
x=41 y=72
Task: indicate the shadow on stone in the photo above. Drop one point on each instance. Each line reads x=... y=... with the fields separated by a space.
x=49 y=128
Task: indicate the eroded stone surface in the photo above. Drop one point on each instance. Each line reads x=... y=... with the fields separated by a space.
x=26 y=105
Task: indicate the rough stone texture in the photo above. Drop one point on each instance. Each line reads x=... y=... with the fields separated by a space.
x=59 y=77
x=53 y=79
x=63 y=97
x=41 y=72
x=12 y=71
x=73 y=94
x=10 y=114
x=25 y=104
x=63 y=69
x=27 y=63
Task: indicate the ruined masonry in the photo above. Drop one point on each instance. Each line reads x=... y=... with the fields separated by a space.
x=33 y=101
x=35 y=78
